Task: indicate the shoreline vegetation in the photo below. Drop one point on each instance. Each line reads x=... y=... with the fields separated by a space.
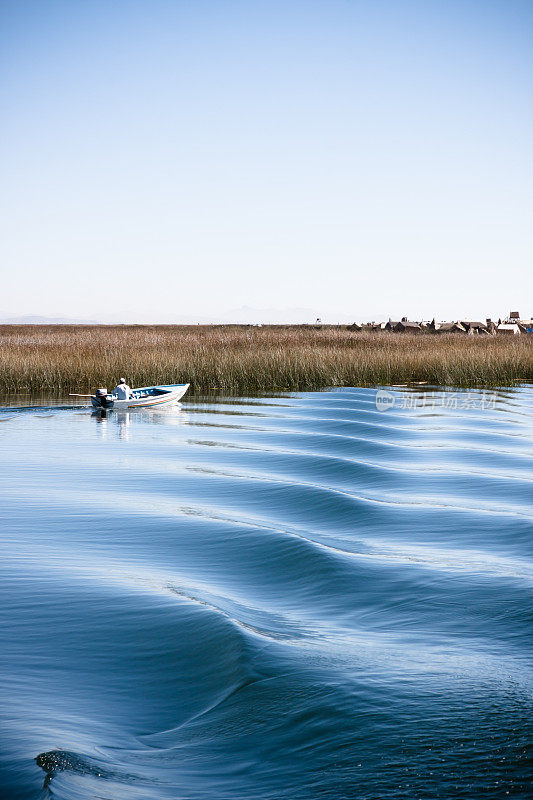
x=57 y=359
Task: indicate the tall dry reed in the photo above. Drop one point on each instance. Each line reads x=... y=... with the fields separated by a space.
x=240 y=359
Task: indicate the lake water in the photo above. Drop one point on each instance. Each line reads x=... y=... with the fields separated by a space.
x=299 y=597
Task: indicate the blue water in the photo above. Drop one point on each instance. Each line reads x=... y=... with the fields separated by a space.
x=286 y=598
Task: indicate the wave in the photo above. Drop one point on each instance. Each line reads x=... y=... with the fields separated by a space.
x=294 y=597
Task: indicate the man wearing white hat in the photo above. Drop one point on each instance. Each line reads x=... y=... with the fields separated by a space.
x=122 y=391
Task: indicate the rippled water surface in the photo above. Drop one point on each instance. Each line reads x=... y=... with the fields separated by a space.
x=284 y=598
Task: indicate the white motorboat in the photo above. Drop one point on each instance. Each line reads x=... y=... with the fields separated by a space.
x=144 y=397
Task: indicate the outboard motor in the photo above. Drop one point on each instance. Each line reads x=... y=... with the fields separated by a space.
x=102 y=399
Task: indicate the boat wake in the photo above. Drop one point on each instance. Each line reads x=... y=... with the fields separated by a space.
x=282 y=598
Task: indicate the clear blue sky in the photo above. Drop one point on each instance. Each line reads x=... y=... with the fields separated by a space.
x=177 y=159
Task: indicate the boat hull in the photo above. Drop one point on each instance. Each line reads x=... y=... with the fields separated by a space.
x=144 y=397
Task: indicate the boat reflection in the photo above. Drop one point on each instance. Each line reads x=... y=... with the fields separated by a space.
x=122 y=422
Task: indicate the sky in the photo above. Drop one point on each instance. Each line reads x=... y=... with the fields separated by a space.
x=266 y=160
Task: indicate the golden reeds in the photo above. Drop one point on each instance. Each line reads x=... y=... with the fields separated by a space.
x=241 y=359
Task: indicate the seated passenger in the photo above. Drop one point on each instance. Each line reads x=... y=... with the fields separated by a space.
x=122 y=391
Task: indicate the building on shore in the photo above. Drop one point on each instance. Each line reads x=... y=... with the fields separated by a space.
x=446 y=327
x=474 y=327
x=406 y=326
x=391 y=325
x=513 y=324
x=525 y=325
x=509 y=328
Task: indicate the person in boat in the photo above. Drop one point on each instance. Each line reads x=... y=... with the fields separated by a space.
x=122 y=391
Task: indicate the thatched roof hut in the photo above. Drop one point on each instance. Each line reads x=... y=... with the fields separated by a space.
x=450 y=327
x=407 y=327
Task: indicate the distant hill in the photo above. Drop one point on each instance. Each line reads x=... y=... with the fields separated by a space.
x=30 y=319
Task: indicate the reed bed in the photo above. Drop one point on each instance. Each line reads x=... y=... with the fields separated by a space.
x=243 y=360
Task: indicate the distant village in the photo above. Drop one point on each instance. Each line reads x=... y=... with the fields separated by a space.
x=513 y=325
